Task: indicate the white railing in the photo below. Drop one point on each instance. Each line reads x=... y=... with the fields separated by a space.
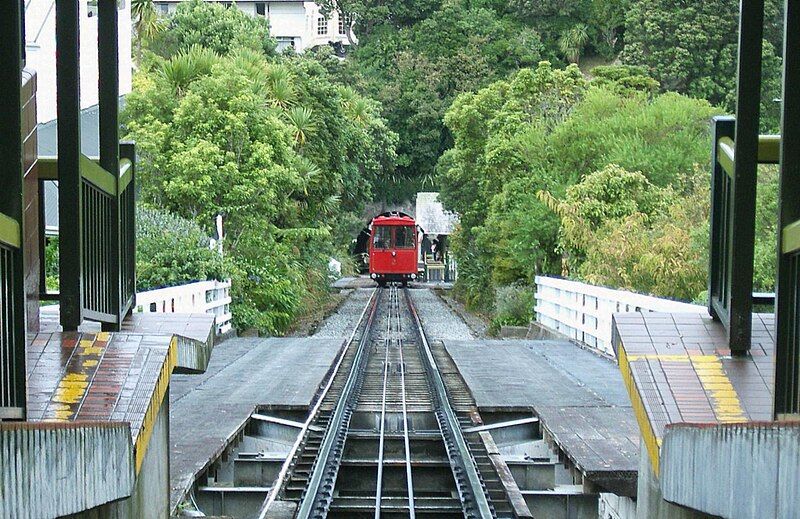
x=583 y=312
x=211 y=297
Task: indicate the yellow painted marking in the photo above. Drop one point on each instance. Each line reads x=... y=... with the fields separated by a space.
x=72 y=387
x=651 y=441
x=103 y=336
x=724 y=399
x=159 y=392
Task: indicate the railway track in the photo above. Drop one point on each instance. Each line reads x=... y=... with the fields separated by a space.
x=390 y=434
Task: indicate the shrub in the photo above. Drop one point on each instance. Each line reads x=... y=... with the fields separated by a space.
x=513 y=305
x=171 y=250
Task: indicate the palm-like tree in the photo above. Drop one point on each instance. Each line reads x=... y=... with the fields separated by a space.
x=301 y=119
x=573 y=41
x=186 y=66
x=281 y=90
x=146 y=23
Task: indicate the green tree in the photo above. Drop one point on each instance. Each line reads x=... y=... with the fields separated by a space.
x=691 y=48
x=171 y=250
x=272 y=145
x=572 y=42
x=213 y=26
x=146 y=24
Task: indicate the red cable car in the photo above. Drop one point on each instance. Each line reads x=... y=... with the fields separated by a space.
x=393 y=249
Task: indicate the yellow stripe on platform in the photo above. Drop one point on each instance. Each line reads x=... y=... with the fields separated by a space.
x=160 y=391
x=724 y=399
x=651 y=441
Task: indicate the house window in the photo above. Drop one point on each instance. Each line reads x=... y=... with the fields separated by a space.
x=261 y=8
x=322 y=26
x=345 y=22
x=284 y=42
x=163 y=8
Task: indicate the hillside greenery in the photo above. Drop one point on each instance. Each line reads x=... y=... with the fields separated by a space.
x=286 y=155
x=572 y=137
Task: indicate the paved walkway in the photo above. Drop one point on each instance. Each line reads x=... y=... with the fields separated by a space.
x=206 y=410
x=578 y=396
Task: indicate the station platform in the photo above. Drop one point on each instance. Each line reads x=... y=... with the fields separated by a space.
x=677 y=369
x=90 y=375
x=577 y=395
x=207 y=411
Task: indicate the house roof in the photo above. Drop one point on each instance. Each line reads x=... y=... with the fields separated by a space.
x=47 y=136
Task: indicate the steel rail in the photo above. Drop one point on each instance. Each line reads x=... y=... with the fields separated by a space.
x=379 y=484
x=371 y=306
x=409 y=481
x=317 y=498
x=470 y=488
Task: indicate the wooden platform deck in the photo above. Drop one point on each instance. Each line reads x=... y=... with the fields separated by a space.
x=578 y=396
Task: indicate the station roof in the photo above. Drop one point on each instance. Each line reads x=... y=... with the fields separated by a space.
x=432 y=216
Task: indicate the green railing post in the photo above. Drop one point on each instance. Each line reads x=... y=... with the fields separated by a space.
x=127 y=199
x=12 y=295
x=787 y=291
x=108 y=94
x=70 y=204
x=743 y=188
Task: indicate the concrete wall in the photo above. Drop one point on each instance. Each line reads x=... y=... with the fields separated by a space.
x=40 y=48
x=150 y=497
x=650 y=503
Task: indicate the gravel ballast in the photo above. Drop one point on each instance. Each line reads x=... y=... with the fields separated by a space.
x=342 y=322
x=439 y=321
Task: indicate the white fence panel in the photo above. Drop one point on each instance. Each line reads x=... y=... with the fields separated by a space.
x=583 y=312
x=211 y=297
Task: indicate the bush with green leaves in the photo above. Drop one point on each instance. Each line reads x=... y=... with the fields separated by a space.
x=272 y=143
x=513 y=305
x=171 y=250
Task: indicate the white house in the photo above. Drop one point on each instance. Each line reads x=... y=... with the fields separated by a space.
x=293 y=23
x=40 y=52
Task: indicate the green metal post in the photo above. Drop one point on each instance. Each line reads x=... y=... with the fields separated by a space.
x=108 y=93
x=787 y=291
x=743 y=210
x=70 y=204
x=12 y=358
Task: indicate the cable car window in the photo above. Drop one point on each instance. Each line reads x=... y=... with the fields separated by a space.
x=381 y=237
x=404 y=237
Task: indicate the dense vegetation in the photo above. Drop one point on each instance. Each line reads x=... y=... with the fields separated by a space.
x=571 y=137
x=271 y=143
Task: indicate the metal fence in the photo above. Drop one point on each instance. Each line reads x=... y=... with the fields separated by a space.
x=211 y=297
x=733 y=201
x=583 y=312
x=12 y=322
x=108 y=237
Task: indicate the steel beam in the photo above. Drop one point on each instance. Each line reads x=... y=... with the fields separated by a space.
x=748 y=101
x=68 y=99
x=787 y=290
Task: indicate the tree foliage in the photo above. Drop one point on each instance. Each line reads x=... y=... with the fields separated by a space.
x=691 y=48
x=273 y=144
x=548 y=171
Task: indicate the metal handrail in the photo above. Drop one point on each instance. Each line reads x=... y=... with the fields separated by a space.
x=791 y=238
x=10 y=232
x=768 y=151
x=90 y=171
